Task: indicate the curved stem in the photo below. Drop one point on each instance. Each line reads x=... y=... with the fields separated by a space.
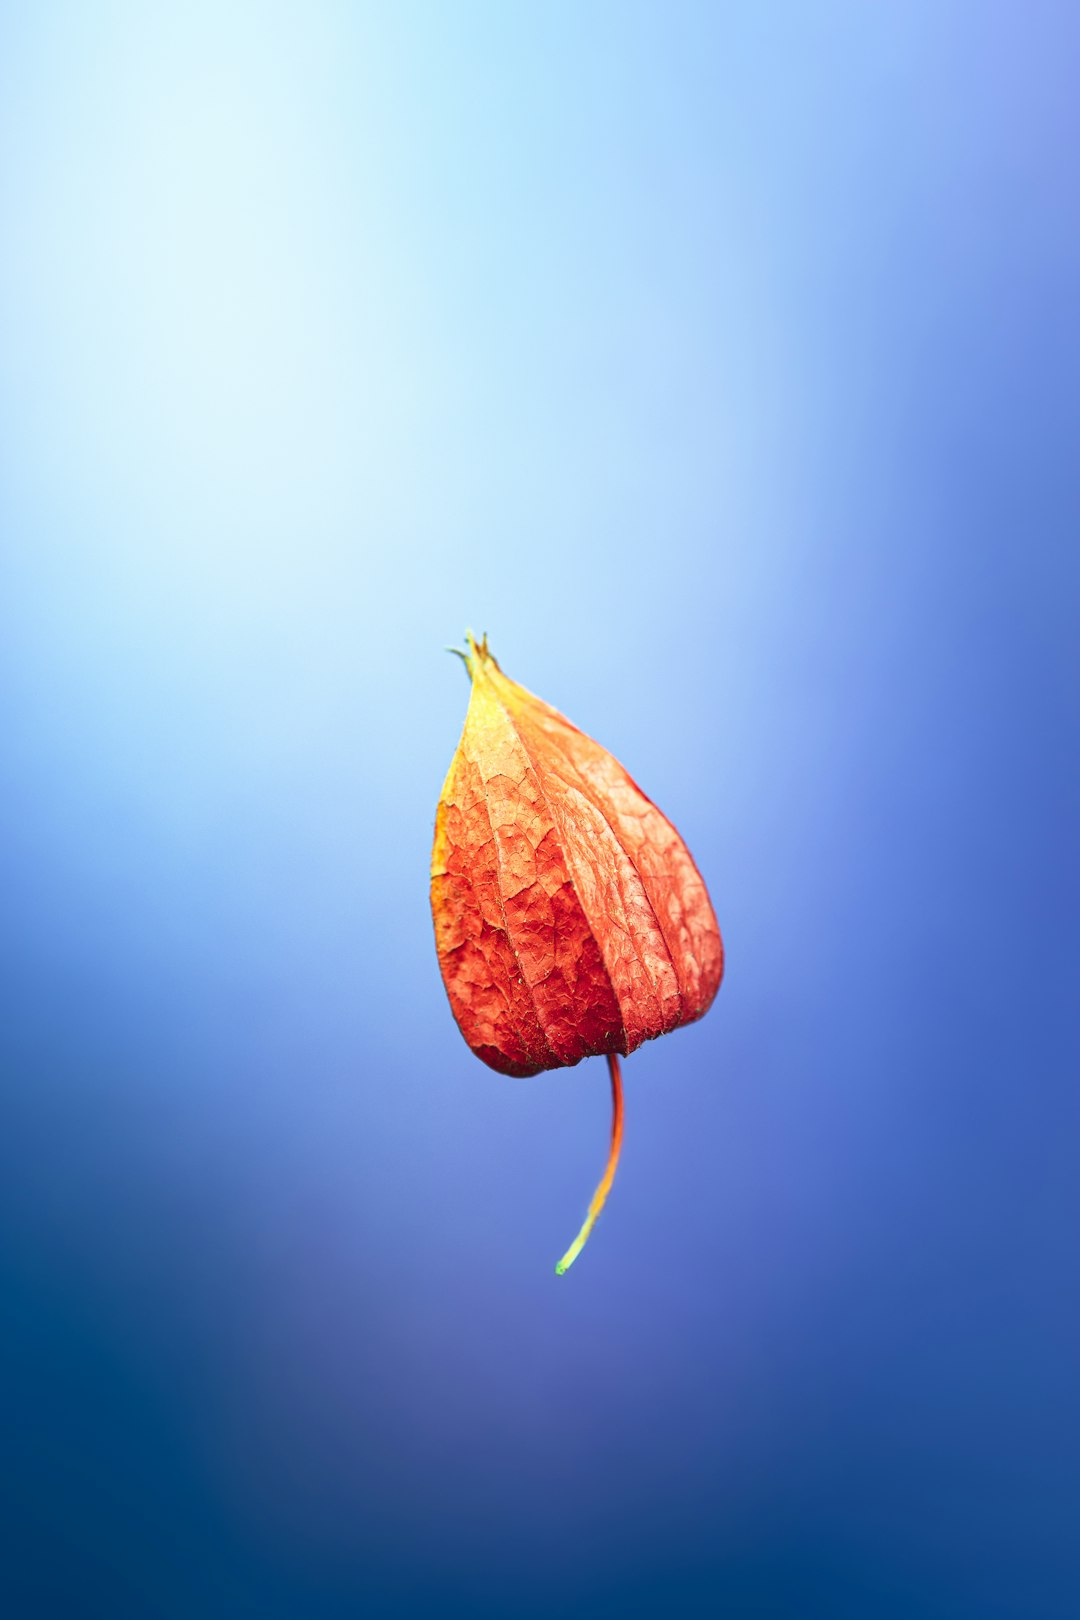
x=600 y=1195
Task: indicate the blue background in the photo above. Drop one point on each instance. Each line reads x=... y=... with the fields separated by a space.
x=722 y=363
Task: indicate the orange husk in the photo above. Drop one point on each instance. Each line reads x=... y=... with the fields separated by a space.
x=570 y=919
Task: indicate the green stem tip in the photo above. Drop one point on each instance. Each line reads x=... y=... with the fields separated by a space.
x=599 y=1197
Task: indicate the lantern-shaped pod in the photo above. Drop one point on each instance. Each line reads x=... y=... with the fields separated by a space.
x=570 y=919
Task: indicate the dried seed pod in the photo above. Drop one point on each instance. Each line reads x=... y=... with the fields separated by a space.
x=570 y=919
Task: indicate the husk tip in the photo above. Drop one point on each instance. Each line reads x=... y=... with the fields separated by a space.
x=478 y=655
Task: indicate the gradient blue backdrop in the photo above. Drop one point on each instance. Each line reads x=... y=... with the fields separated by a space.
x=721 y=362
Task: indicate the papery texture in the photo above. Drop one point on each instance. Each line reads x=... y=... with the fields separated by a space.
x=570 y=919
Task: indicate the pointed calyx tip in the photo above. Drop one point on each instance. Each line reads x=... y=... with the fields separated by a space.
x=478 y=655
